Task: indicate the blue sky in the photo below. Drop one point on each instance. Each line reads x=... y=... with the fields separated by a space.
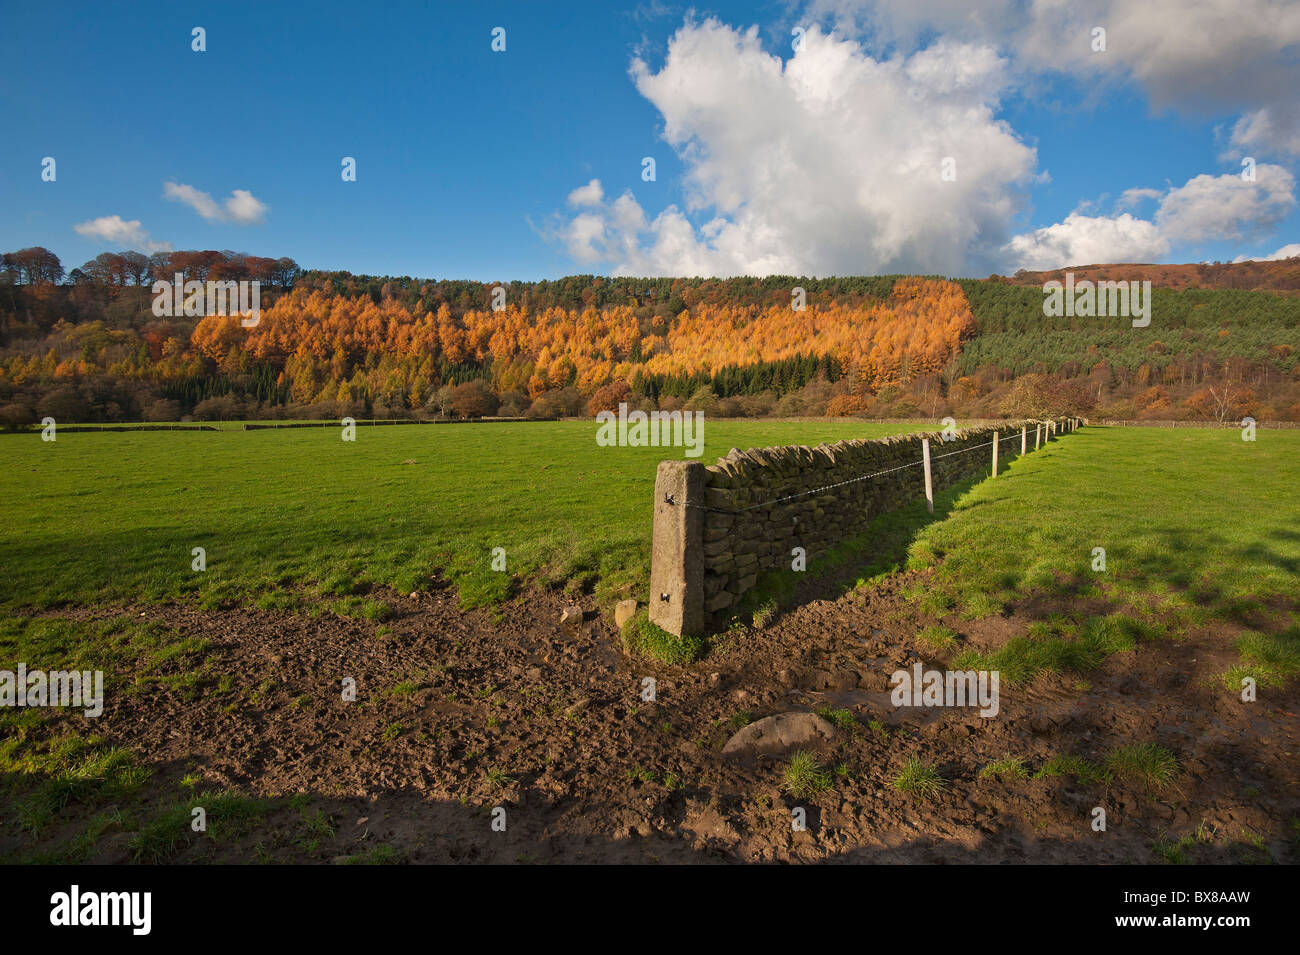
x=467 y=158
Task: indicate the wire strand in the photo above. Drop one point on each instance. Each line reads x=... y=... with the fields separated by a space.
x=864 y=477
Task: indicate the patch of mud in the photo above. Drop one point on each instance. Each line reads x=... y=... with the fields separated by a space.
x=458 y=713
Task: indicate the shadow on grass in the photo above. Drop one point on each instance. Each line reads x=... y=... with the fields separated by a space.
x=880 y=549
x=400 y=824
x=1207 y=569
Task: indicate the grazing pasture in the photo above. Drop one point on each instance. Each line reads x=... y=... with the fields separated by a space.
x=287 y=517
x=328 y=559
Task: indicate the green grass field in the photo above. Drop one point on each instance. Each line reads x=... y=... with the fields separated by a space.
x=1192 y=520
x=1197 y=525
x=301 y=518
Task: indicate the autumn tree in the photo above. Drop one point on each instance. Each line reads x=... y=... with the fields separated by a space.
x=33 y=266
x=608 y=397
x=1224 y=402
x=473 y=400
x=1045 y=396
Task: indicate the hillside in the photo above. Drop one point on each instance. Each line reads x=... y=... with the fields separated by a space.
x=333 y=344
x=1281 y=276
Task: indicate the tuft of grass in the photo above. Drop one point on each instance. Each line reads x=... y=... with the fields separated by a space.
x=921 y=780
x=978 y=604
x=644 y=638
x=805 y=777
x=229 y=816
x=938 y=639
x=318 y=823
x=1174 y=852
x=1271 y=660
x=375 y=610
x=81 y=770
x=1148 y=763
x=765 y=613
x=1083 y=770
x=1011 y=767
x=935 y=602
x=1053 y=648
x=1119 y=633
x=379 y=855
x=842 y=718
x=639 y=774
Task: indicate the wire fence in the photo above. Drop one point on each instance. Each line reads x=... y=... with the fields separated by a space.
x=865 y=477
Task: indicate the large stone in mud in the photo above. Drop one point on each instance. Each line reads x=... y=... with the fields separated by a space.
x=624 y=611
x=776 y=734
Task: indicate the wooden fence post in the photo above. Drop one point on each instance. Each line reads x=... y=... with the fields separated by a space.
x=995 y=453
x=929 y=484
x=1024 y=439
x=1038 y=435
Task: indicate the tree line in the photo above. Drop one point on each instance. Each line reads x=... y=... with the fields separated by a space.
x=86 y=346
x=40 y=266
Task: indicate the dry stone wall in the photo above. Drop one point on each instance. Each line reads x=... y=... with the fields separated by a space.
x=719 y=527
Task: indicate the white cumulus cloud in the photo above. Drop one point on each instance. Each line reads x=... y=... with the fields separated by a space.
x=1089 y=240
x=1215 y=208
x=1227 y=206
x=1199 y=57
x=114 y=230
x=588 y=195
x=830 y=163
x=241 y=208
x=1289 y=251
x=1268 y=129
x=1134 y=197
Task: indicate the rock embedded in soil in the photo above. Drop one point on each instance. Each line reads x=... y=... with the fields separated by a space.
x=624 y=610
x=776 y=734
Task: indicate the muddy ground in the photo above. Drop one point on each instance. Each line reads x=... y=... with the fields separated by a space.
x=459 y=712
